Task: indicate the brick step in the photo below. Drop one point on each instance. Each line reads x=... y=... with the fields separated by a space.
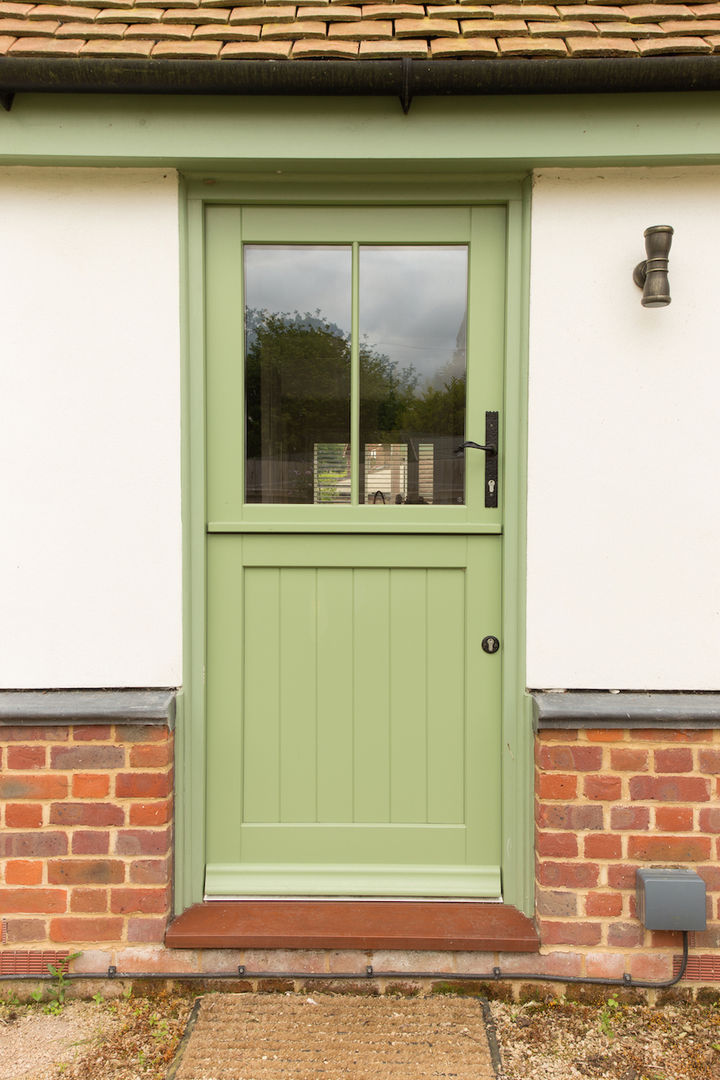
x=353 y=924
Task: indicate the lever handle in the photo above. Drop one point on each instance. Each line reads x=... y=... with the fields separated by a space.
x=491 y=448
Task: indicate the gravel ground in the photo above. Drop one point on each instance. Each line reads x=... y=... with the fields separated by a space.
x=136 y=1038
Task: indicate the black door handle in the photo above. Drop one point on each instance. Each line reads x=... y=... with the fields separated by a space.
x=491 y=448
x=491 y=461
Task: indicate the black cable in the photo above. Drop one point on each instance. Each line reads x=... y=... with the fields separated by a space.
x=496 y=975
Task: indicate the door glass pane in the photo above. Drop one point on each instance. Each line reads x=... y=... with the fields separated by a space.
x=413 y=332
x=297 y=373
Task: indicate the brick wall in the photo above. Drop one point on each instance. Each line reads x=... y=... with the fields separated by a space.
x=85 y=853
x=85 y=840
x=607 y=802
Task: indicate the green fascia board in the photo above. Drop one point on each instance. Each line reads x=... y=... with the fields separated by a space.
x=211 y=134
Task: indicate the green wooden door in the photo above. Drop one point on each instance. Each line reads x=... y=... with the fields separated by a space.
x=354 y=557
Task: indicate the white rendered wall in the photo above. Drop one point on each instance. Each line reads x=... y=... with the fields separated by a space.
x=624 y=439
x=90 y=544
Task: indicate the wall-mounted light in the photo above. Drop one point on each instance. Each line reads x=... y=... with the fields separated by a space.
x=652 y=275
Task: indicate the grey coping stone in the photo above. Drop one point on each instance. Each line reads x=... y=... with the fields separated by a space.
x=88 y=706
x=626 y=709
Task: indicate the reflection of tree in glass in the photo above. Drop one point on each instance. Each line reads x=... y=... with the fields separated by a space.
x=298 y=395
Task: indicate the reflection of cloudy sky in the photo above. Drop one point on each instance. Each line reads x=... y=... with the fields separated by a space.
x=412 y=299
x=412 y=303
x=285 y=279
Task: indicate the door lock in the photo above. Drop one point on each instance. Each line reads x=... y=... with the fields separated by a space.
x=490 y=446
x=490 y=644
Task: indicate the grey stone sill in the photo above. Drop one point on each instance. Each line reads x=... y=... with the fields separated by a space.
x=87 y=707
x=585 y=708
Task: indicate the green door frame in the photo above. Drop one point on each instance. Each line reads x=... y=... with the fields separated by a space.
x=512 y=192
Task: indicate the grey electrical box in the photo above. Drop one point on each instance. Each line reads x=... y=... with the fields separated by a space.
x=669 y=899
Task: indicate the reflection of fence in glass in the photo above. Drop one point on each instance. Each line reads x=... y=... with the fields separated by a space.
x=385 y=473
x=426 y=472
x=331 y=473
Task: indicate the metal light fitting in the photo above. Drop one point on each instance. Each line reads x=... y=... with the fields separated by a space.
x=652 y=275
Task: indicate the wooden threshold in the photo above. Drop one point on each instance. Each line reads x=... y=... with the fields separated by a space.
x=353 y=924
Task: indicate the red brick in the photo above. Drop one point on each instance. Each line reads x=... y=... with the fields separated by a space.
x=78 y=929
x=597 y=903
x=146 y=930
x=556 y=786
x=563 y=845
x=139 y=901
x=32 y=901
x=87 y=757
x=674 y=818
x=86 y=872
x=710 y=875
x=150 y=757
x=568 y=875
x=92 y=733
x=649 y=967
x=574 y=818
x=686 y=789
x=38 y=844
x=39 y=786
x=604 y=966
x=23 y=872
x=709 y=820
x=603 y=846
x=663 y=939
x=602 y=787
x=670 y=848
x=557 y=735
x=20 y=733
x=150 y=871
x=101 y=813
x=90 y=785
x=23 y=816
x=143 y=785
x=556 y=963
x=672 y=735
x=24 y=930
x=625 y=935
x=143 y=842
x=89 y=901
x=26 y=757
x=91 y=842
x=677 y=760
x=556 y=902
x=630 y=817
x=141 y=733
x=628 y=759
x=151 y=813
x=569 y=933
x=622 y=876
x=604 y=735
x=709 y=761
x=576 y=758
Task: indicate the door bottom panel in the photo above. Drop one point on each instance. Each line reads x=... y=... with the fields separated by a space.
x=272 y=879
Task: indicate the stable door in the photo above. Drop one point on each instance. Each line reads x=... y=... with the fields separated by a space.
x=354 y=550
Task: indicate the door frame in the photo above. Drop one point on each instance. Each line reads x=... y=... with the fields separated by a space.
x=514 y=193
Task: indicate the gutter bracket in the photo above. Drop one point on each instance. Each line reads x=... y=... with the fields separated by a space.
x=406 y=95
x=7 y=99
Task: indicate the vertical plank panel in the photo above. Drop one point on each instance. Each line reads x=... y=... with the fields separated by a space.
x=298 y=694
x=261 y=721
x=408 y=698
x=371 y=685
x=335 y=694
x=446 y=695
